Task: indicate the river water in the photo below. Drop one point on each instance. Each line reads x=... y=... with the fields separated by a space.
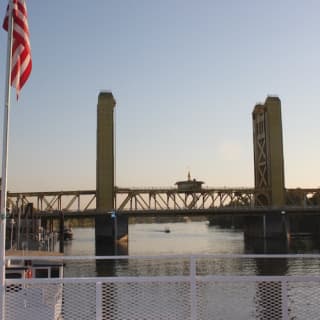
x=249 y=300
x=192 y=238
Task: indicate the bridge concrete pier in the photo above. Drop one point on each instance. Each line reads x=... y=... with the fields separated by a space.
x=282 y=226
x=114 y=239
x=267 y=226
x=109 y=228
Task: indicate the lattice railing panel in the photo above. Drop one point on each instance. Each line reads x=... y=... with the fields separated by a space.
x=225 y=300
x=79 y=301
x=135 y=298
x=268 y=300
x=199 y=288
x=33 y=301
x=303 y=300
x=146 y=300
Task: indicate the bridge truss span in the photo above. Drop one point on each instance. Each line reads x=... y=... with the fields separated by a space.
x=54 y=200
x=173 y=199
x=135 y=199
x=160 y=199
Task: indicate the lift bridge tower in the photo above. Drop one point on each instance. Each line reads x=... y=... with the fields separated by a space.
x=268 y=170
x=268 y=153
x=108 y=227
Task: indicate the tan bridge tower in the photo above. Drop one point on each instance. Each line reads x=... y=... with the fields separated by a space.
x=105 y=152
x=268 y=171
x=109 y=228
x=268 y=152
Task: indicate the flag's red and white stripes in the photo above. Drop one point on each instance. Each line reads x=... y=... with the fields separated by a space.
x=21 y=50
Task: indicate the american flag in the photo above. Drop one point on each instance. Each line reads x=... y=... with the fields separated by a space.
x=21 y=51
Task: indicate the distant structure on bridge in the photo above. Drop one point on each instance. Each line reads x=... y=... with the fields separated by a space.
x=268 y=152
x=190 y=185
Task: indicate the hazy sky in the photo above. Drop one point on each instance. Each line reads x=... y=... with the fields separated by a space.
x=186 y=76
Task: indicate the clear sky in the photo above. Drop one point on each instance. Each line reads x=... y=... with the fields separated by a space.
x=186 y=75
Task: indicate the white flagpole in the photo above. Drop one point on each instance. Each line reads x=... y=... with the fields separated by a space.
x=3 y=206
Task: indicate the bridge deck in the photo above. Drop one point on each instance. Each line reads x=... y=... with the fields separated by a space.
x=168 y=201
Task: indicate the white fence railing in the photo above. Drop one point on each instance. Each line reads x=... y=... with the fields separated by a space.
x=170 y=287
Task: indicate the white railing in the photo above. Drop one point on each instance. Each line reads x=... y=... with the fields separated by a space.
x=172 y=287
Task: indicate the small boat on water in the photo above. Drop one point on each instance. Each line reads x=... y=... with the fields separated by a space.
x=33 y=300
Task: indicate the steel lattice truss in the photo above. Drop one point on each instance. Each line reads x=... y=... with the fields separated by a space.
x=144 y=199
x=54 y=200
x=260 y=152
x=173 y=199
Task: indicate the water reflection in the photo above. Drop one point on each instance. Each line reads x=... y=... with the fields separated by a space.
x=193 y=238
x=198 y=238
x=107 y=268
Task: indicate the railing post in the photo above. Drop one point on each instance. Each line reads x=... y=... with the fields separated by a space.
x=284 y=299
x=98 y=301
x=193 y=287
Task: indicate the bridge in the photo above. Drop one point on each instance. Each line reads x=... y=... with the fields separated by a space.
x=269 y=194
x=298 y=215
x=144 y=201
